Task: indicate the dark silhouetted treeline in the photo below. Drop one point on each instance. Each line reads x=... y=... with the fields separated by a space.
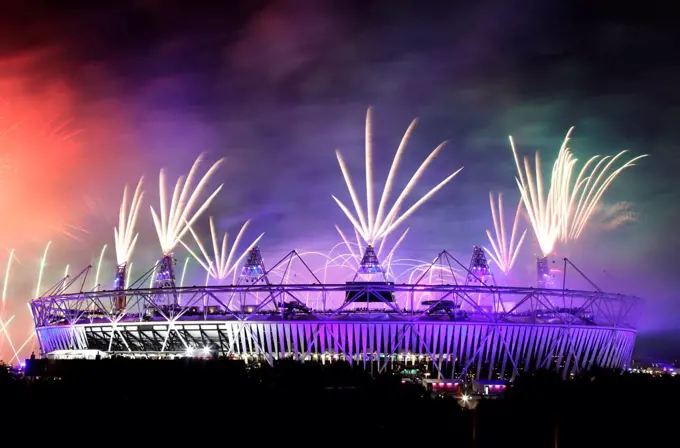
x=330 y=405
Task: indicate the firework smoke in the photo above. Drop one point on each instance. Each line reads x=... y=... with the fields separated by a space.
x=617 y=214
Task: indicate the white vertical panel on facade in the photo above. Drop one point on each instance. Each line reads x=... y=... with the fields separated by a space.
x=445 y=343
x=268 y=337
x=357 y=341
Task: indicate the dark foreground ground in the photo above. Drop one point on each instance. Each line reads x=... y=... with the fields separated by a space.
x=201 y=402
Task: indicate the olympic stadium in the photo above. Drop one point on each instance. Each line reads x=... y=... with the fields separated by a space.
x=447 y=317
x=470 y=328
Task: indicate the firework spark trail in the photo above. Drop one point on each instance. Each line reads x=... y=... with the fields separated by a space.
x=4 y=290
x=504 y=255
x=43 y=262
x=221 y=266
x=417 y=271
x=356 y=256
x=28 y=339
x=7 y=271
x=589 y=188
x=99 y=268
x=566 y=210
x=561 y=180
x=124 y=235
x=65 y=275
x=384 y=239
x=543 y=211
x=176 y=219
x=151 y=277
x=184 y=272
x=3 y=329
x=348 y=244
x=333 y=263
x=390 y=254
x=378 y=225
x=129 y=275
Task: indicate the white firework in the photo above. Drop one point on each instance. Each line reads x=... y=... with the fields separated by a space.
x=125 y=236
x=222 y=263
x=177 y=216
x=371 y=225
x=562 y=213
x=504 y=253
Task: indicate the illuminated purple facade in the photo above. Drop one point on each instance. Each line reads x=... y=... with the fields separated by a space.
x=509 y=331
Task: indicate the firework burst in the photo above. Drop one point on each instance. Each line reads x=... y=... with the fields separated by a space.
x=580 y=200
x=541 y=209
x=504 y=254
x=222 y=264
x=124 y=235
x=177 y=216
x=371 y=225
x=563 y=213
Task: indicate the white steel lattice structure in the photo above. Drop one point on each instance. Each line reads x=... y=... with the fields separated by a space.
x=515 y=329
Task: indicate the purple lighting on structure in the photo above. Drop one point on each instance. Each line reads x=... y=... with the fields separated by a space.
x=369 y=263
x=319 y=322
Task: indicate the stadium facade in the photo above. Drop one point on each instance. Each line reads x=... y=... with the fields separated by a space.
x=474 y=329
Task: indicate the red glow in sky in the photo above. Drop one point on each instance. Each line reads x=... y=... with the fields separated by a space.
x=39 y=153
x=55 y=173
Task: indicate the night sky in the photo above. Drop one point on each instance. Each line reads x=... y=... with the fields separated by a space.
x=277 y=86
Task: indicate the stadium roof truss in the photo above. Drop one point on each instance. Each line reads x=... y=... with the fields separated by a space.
x=236 y=313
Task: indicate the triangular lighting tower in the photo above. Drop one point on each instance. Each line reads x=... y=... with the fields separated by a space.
x=479 y=271
x=544 y=278
x=253 y=269
x=165 y=272
x=370 y=265
x=120 y=301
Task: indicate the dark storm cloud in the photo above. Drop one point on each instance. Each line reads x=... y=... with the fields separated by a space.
x=277 y=86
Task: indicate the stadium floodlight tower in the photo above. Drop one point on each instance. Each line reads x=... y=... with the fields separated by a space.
x=479 y=273
x=253 y=272
x=544 y=278
x=370 y=267
x=253 y=269
x=373 y=226
x=370 y=281
x=479 y=270
x=125 y=240
x=173 y=221
x=165 y=272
